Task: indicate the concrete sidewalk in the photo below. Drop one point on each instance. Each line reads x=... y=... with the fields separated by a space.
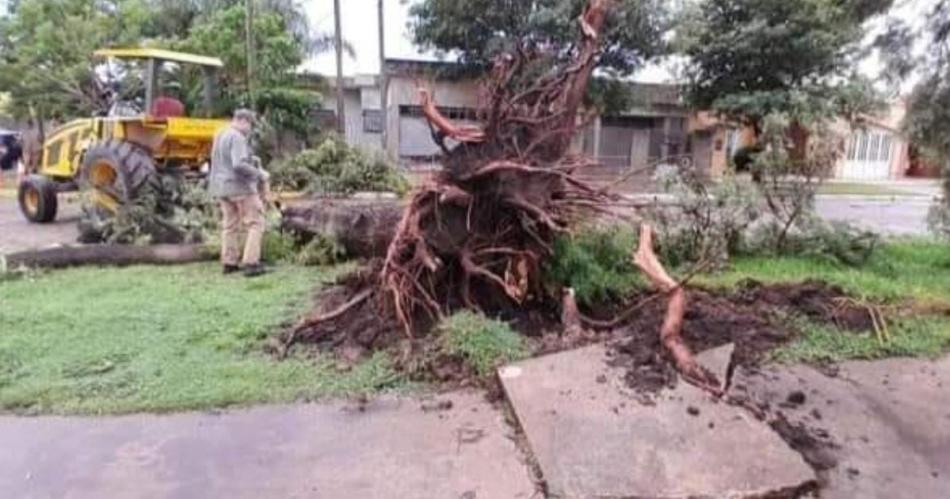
x=453 y=446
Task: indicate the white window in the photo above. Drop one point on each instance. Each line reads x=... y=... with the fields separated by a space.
x=886 y=147
x=852 y=146
x=862 y=147
x=874 y=146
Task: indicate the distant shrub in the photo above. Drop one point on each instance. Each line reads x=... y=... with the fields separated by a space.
x=838 y=242
x=596 y=262
x=708 y=220
x=484 y=343
x=337 y=168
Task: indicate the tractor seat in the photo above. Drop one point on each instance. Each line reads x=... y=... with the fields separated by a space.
x=167 y=107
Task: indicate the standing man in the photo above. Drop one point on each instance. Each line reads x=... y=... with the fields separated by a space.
x=235 y=182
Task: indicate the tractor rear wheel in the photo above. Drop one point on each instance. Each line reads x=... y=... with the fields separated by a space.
x=37 y=198
x=115 y=172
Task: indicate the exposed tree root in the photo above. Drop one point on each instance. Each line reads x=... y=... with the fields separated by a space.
x=670 y=332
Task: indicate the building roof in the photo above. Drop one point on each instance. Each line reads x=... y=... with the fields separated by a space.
x=165 y=55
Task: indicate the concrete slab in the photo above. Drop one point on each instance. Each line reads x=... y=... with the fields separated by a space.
x=393 y=448
x=718 y=361
x=591 y=438
x=890 y=419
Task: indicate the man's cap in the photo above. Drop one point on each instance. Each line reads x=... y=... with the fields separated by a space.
x=246 y=115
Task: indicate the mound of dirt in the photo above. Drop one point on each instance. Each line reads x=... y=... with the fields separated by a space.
x=816 y=300
x=755 y=318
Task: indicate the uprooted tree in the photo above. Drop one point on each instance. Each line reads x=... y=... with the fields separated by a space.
x=477 y=235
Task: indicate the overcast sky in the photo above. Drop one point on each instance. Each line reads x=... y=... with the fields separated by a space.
x=360 y=29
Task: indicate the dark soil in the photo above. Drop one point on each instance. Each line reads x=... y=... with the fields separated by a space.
x=815 y=445
x=756 y=318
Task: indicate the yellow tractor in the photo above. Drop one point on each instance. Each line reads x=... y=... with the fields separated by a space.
x=112 y=157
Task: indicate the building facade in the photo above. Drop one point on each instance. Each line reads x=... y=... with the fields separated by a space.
x=658 y=127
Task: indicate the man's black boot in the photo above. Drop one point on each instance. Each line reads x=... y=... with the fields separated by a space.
x=230 y=269
x=255 y=270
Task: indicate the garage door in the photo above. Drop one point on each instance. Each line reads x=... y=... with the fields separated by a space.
x=868 y=156
x=415 y=136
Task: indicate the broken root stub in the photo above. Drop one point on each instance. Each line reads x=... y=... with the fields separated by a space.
x=670 y=332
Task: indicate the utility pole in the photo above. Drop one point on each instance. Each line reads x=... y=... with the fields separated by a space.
x=383 y=81
x=249 y=49
x=338 y=34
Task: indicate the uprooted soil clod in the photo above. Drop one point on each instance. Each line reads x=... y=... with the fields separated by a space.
x=756 y=318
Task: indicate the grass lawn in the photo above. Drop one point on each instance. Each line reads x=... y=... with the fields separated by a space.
x=909 y=272
x=106 y=340
x=898 y=270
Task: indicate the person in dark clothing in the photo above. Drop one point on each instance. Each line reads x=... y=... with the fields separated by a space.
x=11 y=154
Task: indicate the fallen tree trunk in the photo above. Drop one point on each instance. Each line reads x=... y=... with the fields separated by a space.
x=363 y=227
x=109 y=254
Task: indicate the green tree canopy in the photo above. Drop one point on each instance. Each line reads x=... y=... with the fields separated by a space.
x=751 y=58
x=478 y=30
x=49 y=69
x=927 y=123
x=46 y=48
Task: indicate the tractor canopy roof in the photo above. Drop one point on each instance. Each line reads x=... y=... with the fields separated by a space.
x=160 y=54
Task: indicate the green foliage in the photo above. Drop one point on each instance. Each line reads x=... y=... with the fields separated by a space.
x=794 y=159
x=50 y=71
x=335 y=167
x=596 y=262
x=484 y=343
x=708 y=221
x=479 y=30
x=812 y=236
x=751 y=58
x=927 y=122
x=278 y=247
x=938 y=217
x=181 y=338
x=910 y=337
x=170 y=209
x=321 y=250
x=896 y=271
x=46 y=50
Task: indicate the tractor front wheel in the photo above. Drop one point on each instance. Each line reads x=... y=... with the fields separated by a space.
x=115 y=172
x=37 y=198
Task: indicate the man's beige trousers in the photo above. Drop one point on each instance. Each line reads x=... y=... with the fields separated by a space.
x=246 y=211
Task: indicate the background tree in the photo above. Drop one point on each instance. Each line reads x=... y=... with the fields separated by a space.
x=479 y=30
x=48 y=69
x=284 y=98
x=50 y=72
x=927 y=123
x=751 y=58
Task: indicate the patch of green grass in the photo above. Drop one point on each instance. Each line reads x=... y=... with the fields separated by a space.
x=596 y=263
x=485 y=343
x=916 y=337
x=898 y=270
x=107 y=340
x=860 y=189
